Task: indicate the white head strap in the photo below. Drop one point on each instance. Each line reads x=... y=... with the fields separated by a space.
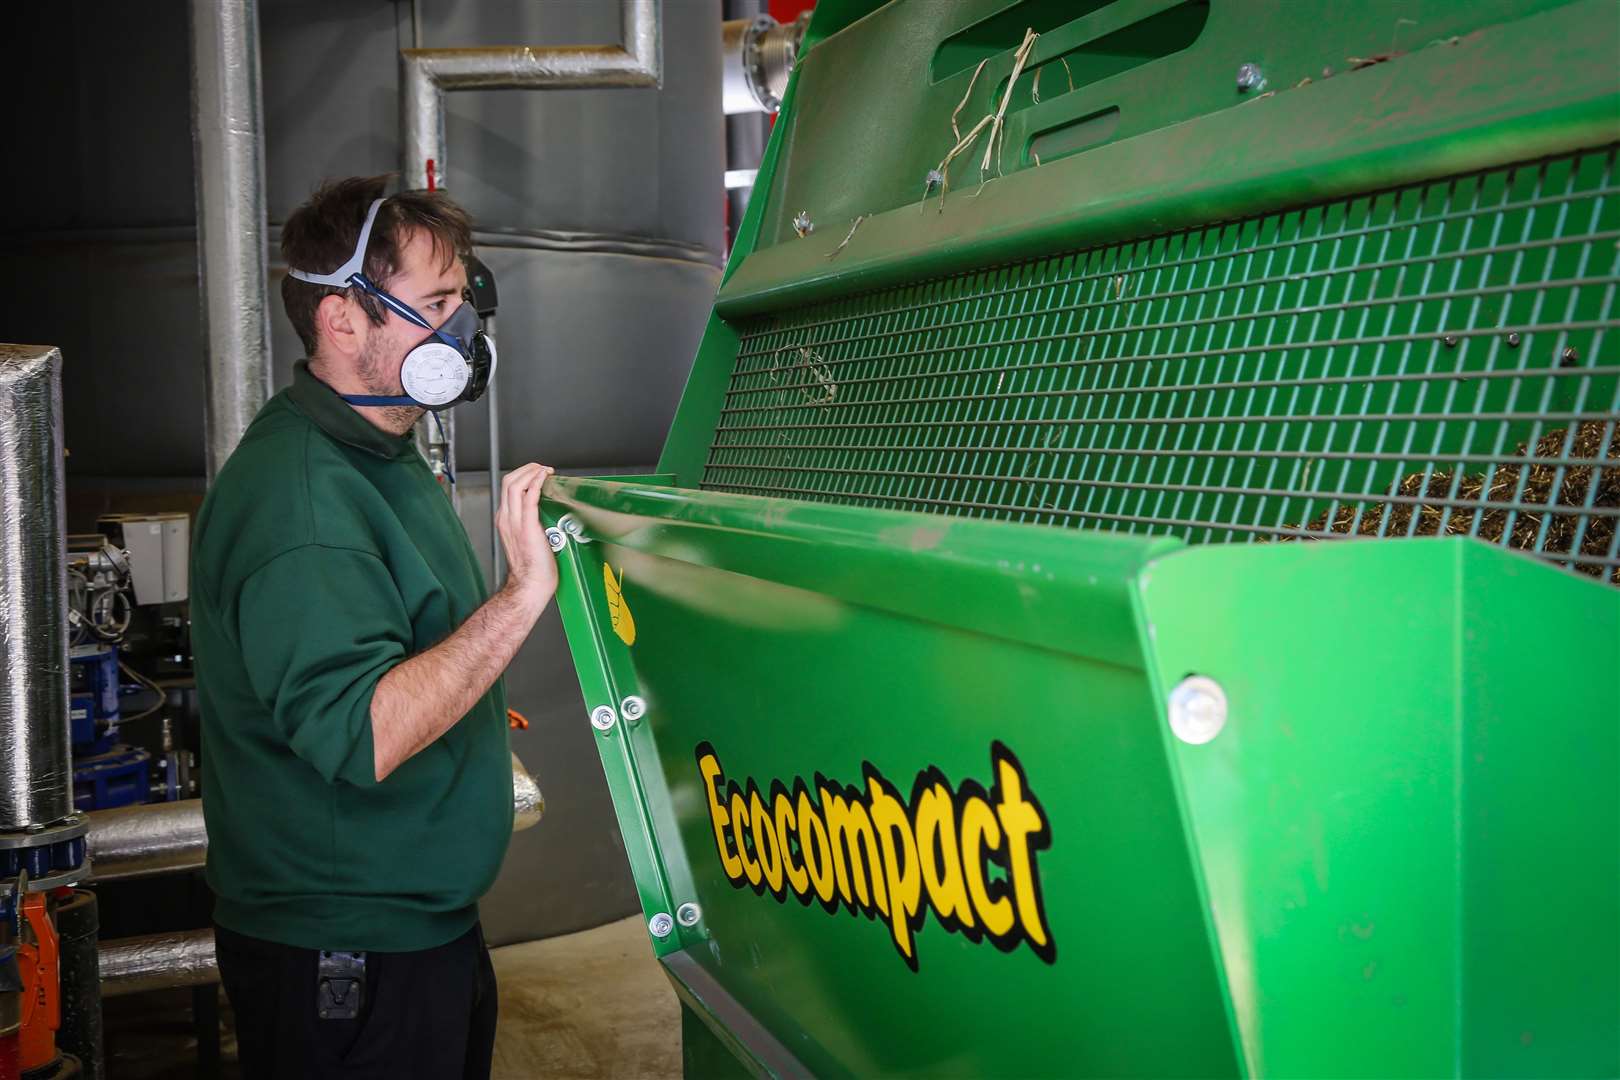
x=344 y=275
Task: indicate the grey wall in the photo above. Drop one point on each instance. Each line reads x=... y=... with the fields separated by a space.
x=599 y=211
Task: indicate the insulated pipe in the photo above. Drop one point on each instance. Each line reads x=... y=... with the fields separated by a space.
x=36 y=771
x=166 y=838
x=228 y=151
x=142 y=841
x=426 y=75
x=158 y=962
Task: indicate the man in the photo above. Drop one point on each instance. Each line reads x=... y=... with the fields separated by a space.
x=357 y=783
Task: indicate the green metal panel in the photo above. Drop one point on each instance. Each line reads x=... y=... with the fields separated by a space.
x=1333 y=304
x=1360 y=850
x=828 y=599
x=1474 y=85
x=1409 y=826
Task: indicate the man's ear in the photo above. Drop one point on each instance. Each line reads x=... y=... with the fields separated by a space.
x=337 y=319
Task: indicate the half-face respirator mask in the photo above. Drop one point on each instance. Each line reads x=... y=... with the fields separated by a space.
x=451 y=365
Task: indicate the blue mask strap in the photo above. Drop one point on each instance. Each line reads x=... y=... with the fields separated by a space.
x=405 y=311
x=374 y=399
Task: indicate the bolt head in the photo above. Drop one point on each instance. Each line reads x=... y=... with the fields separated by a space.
x=572 y=526
x=603 y=718
x=1197 y=709
x=802 y=223
x=688 y=914
x=632 y=708
x=1513 y=340
x=1450 y=340
x=1571 y=356
x=556 y=538
x=661 y=925
x=1249 y=77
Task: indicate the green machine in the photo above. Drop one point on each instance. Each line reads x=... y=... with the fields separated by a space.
x=1130 y=586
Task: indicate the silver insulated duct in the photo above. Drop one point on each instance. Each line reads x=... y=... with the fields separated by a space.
x=157 y=962
x=36 y=781
x=227 y=129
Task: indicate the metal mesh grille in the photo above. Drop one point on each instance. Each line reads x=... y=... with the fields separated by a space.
x=1436 y=358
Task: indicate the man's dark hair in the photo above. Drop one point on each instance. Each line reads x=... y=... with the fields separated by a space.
x=320 y=236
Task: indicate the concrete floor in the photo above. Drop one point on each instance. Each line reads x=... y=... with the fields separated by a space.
x=585 y=1006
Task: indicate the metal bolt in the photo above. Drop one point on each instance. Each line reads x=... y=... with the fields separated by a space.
x=1250 y=77
x=802 y=223
x=556 y=538
x=1571 y=357
x=1450 y=340
x=661 y=925
x=1513 y=340
x=603 y=718
x=574 y=528
x=632 y=708
x=1197 y=709
x=932 y=180
x=688 y=914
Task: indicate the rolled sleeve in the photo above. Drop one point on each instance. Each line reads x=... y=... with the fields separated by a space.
x=318 y=627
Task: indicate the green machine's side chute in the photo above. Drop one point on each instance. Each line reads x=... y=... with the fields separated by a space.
x=969 y=793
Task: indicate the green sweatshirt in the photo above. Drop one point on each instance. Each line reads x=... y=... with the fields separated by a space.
x=326 y=554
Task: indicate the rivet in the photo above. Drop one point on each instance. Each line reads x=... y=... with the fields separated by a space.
x=1513 y=340
x=556 y=538
x=802 y=224
x=688 y=914
x=1571 y=357
x=632 y=709
x=1197 y=709
x=1250 y=77
x=603 y=718
x=661 y=925
x=1450 y=341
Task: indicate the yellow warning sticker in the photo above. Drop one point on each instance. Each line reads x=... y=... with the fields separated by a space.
x=618 y=610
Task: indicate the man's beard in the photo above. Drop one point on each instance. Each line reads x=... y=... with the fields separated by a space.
x=396 y=418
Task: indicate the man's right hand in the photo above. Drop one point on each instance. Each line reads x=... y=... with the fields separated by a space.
x=531 y=567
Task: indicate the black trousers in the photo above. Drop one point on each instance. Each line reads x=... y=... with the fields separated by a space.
x=428 y=1014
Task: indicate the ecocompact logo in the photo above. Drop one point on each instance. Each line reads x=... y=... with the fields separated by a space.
x=882 y=855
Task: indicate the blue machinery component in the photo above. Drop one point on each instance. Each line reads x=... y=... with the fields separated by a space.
x=106 y=773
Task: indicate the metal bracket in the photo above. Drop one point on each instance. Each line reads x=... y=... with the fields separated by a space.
x=340 y=985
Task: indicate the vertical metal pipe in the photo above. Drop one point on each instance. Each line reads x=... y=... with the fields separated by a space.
x=36 y=770
x=228 y=152
x=497 y=557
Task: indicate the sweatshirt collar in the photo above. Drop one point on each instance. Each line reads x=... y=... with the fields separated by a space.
x=340 y=420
